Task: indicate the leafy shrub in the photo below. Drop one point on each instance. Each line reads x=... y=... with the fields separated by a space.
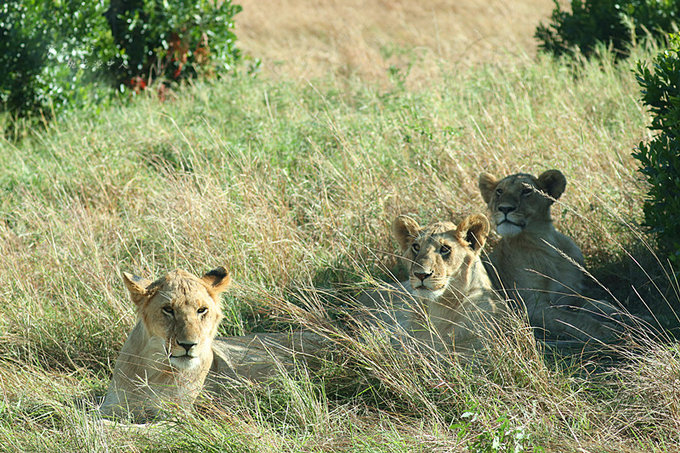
x=49 y=52
x=660 y=157
x=172 y=39
x=612 y=22
x=59 y=53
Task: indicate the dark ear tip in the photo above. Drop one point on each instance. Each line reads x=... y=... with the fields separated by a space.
x=217 y=275
x=554 y=174
x=553 y=182
x=474 y=230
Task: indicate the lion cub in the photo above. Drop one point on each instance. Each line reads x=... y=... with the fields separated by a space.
x=168 y=354
x=536 y=264
x=173 y=350
x=447 y=276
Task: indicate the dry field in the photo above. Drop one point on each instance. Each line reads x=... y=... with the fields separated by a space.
x=308 y=39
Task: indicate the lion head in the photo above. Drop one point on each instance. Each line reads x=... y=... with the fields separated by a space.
x=181 y=310
x=168 y=354
x=458 y=308
x=521 y=201
x=439 y=256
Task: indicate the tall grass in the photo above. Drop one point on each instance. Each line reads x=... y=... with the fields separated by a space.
x=293 y=186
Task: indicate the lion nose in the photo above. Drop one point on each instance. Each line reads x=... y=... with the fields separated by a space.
x=506 y=209
x=187 y=345
x=421 y=275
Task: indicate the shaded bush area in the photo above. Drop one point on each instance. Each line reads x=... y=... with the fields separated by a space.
x=660 y=157
x=172 y=39
x=73 y=52
x=616 y=23
x=49 y=52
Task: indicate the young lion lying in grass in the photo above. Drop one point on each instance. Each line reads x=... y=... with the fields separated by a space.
x=172 y=349
x=168 y=354
x=450 y=304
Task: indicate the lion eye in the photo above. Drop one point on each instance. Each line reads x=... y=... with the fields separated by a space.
x=415 y=247
x=444 y=250
x=527 y=190
x=168 y=311
x=499 y=192
x=201 y=310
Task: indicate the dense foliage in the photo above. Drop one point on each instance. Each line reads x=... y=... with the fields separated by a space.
x=50 y=52
x=660 y=157
x=172 y=39
x=72 y=51
x=613 y=22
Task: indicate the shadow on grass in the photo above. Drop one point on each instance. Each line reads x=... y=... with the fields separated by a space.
x=642 y=283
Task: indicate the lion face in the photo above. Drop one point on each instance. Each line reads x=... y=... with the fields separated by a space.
x=181 y=314
x=520 y=201
x=438 y=256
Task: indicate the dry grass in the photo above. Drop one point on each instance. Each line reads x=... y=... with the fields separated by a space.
x=365 y=38
x=292 y=185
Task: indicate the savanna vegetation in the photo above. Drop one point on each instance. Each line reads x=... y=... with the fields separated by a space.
x=292 y=184
x=68 y=54
x=588 y=24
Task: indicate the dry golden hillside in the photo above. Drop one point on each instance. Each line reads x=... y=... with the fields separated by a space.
x=353 y=37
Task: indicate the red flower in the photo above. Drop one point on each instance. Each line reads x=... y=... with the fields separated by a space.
x=137 y=84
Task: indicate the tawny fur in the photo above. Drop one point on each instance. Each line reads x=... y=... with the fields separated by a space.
x=261 y=356
x=448 y=279
x=154 y=370
x=536 y=265
x=153 y=367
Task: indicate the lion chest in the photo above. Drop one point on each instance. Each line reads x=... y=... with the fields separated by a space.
x=537 y=268
x=454 y=324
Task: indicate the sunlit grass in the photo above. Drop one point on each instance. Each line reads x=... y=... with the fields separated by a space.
x=293 y=186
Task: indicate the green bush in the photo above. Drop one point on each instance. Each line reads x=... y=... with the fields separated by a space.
x=172 y=39
x=613 y=22
x=50 y=53
x=64 y=52
x=660 y=157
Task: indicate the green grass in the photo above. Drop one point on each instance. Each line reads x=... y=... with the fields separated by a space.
x=293 y=186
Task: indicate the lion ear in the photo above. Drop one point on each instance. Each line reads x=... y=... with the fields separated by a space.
x=137 y=286
x=217 y=280
x=553 y=183
x=405 y=229
x=487 y=186
x=473 y=231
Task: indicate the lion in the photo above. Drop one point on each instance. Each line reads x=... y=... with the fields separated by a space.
x=172 y=352
x=168 y=354
x=447 y=277
x=536 y=265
